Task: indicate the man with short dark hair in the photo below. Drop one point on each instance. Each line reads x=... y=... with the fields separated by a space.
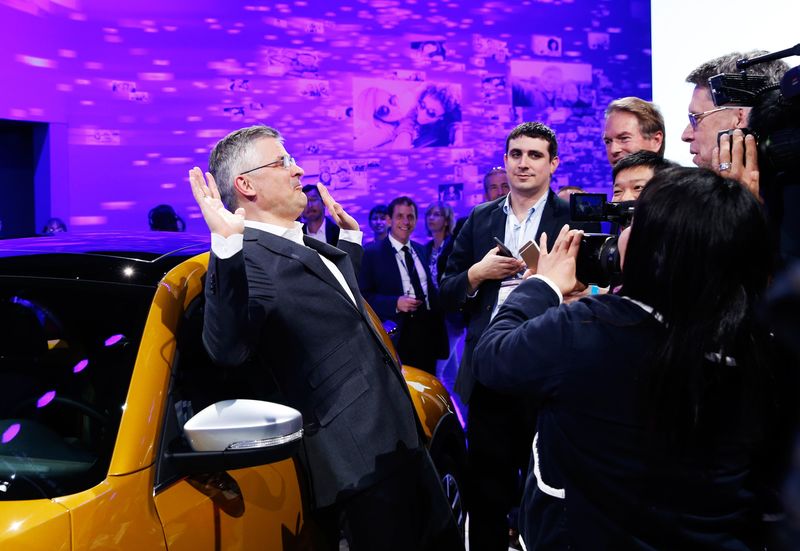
x=632 y=124
x=706 y=120
x=397 y=283
x=633 y=172
x=378 y=221
x=500 y=428
x=315 y=223
x=279 y=300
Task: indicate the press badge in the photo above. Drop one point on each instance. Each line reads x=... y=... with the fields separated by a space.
x=506 y=287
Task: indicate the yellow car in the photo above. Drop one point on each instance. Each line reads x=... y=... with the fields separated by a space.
x=117 y=432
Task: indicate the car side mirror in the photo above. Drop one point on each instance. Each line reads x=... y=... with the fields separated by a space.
x=234 y=434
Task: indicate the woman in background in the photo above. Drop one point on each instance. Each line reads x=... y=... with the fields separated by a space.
x=439 y=223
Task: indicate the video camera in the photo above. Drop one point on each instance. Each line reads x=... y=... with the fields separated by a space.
x=775 y=119
x=598 y=261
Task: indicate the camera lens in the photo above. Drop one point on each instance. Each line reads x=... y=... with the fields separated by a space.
x=598 y=260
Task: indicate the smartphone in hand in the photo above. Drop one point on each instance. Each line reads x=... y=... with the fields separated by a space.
x=530 y=254
x=503 y=249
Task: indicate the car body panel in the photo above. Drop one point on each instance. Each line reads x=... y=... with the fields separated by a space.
x=117 y=514
x=34 y=525
x=144 y=409
x=260 y=506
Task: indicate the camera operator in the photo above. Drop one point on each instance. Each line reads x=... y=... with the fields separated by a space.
x=656 y=408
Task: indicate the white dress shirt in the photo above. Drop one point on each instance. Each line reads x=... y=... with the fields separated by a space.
x=227 y=247
x=319 y=235
x=520 y=232
x=405 y=278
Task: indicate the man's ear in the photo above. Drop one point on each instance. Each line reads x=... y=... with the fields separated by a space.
x=742 y=116
x=658 y=139
x=554 y=165
x=244 y=186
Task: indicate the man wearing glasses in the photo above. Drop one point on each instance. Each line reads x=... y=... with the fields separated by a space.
x=292 y=305
x=706 y=120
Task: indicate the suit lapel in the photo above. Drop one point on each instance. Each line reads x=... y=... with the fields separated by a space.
x=551 y=216
x=392 y=270
x=308 y=257
x=497 y=226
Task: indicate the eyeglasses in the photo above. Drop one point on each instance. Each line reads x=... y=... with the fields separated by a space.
x=695 y=118
x=286 y=161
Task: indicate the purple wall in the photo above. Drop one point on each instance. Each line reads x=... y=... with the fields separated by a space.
x=138 y=95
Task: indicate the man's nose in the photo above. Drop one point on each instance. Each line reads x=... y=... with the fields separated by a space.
x=297 y=170
x=628 y=195
x=688 y=134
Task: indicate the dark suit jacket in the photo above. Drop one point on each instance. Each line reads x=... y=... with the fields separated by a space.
x=473 y=242
x=331 y=231
x=381 y=283
x=276 y=302
x=624 y=486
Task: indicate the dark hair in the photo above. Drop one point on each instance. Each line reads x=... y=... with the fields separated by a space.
x=650 y=118
x=578 y=189
x=402 y=200
x=378 y=209
x=164 y=218
x=727 y=64
x=54 y=225
x=536 y=130
x=229 y=157
x=642 y=158
x=698 y=254
x=310 y=187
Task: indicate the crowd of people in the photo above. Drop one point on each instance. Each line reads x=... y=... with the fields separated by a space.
x=652 y=415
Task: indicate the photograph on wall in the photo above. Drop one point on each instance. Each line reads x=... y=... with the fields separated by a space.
x=544 y=86
x=549 y=46
x=392 y=114
x=451 y=193
x=427 y=51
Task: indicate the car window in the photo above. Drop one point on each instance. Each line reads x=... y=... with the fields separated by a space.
x=197 y=383
x=67 y=350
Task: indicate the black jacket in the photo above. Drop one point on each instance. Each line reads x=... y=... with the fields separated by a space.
x=277 y=302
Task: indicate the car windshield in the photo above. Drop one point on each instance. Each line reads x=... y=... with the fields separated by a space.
x=67 y=349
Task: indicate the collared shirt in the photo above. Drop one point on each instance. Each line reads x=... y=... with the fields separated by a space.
x=227 y=247
x=518 y=233
x=399 y=256
x=319 y=235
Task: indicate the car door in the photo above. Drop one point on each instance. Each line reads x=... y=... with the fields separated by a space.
x=251 y=508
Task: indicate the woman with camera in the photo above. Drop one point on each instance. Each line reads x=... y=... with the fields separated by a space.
x=660 y=405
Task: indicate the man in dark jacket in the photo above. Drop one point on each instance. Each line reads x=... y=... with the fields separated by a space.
x=292 y=304
x=500 y=428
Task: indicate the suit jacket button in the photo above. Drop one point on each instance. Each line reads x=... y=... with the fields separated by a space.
x=488 y=308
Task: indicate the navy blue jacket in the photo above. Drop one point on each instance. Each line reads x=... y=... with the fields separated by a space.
x=471 y=245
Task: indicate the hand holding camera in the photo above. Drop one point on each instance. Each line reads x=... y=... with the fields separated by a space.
x=736 y=157
x=559 y=264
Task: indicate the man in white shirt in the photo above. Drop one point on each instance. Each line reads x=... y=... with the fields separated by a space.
x=290 y=304
x=396 y=281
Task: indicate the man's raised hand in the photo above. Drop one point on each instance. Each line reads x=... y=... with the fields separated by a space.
x=219 y=219
x=342 y=219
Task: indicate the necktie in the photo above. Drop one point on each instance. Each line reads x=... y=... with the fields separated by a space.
x=412 y=273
